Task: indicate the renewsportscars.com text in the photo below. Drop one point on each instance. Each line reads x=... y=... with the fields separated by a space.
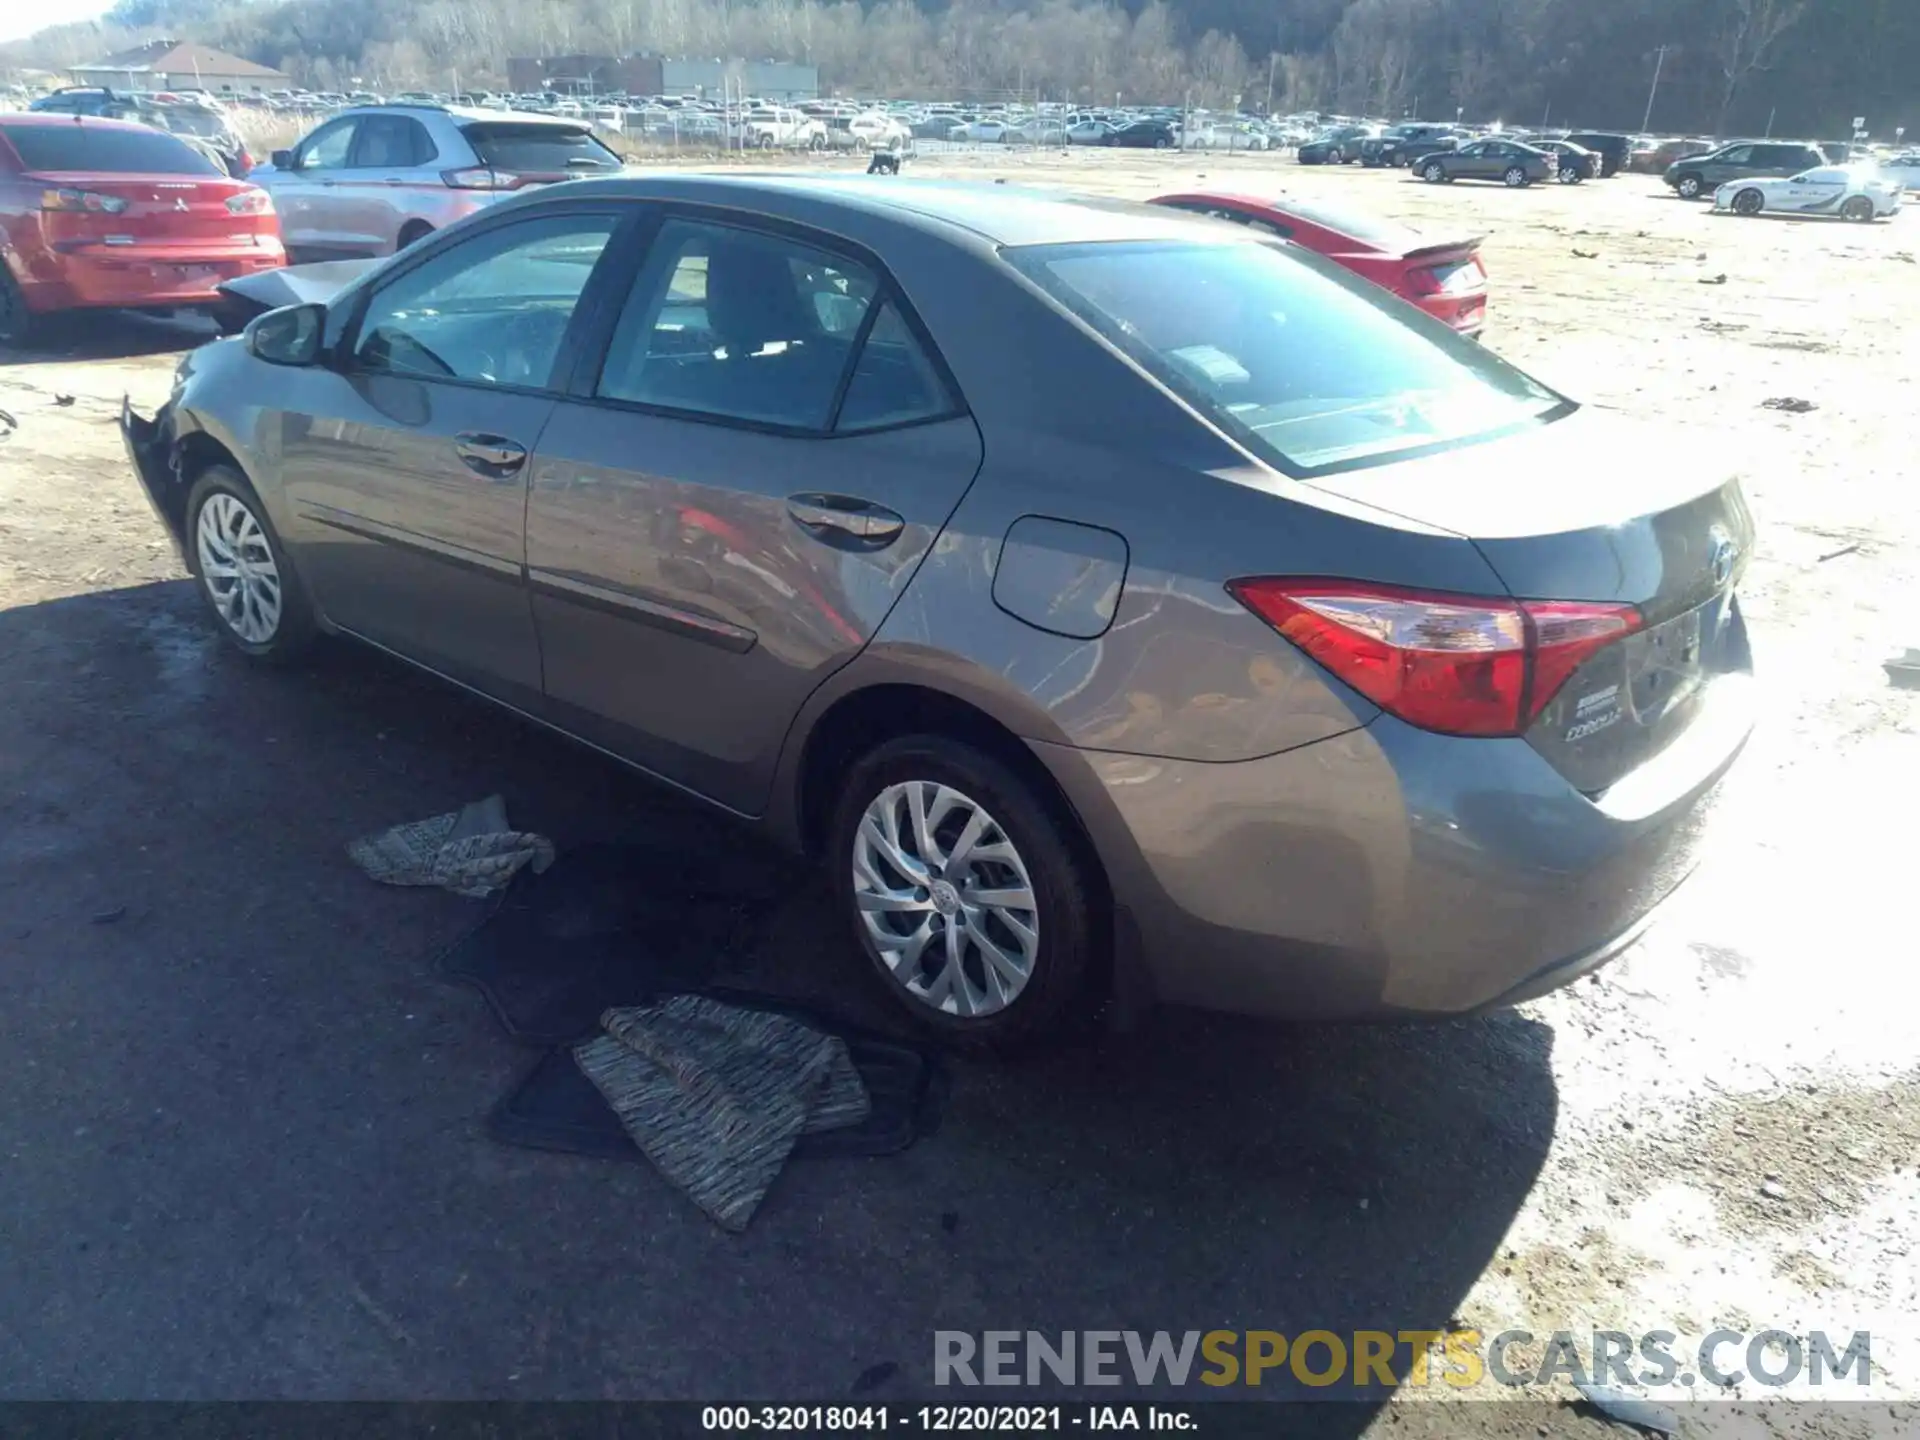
x=1458 y=1359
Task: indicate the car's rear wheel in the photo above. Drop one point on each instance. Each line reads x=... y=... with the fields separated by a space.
x=1516 y=177
x=243 y=570
x=19 y=326
x=1689 y=187
x=1435 y=172
x=1571 y=175
x=965 y=889
x=1749 y=202
x=1859 y=208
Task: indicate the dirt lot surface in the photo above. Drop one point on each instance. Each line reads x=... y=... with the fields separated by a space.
x=240 y=1143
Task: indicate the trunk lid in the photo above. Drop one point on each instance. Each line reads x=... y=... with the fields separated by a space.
x=158 y=209
x=1599 y=509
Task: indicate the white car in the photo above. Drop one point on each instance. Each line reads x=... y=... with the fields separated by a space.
x=1904 y=168
x=985 y=132
x=1851 y=192
x=877 y=129
x=1089 y=132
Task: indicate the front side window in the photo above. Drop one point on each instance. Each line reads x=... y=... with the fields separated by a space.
x=738 y=324
x=1310 y=367
x=1738 y=155
x=491 y=310
x=326 y=148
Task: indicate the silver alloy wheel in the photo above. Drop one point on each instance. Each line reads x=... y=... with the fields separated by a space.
x=945 y=898
x=236 y=566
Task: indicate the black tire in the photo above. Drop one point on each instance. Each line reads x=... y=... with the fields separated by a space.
x=1434 y=172
x=1067 y=912
x=412 y=232
x=1571 y=175
x=1859 y=209
x=296 y=629
x=1160 y=142
x=1749 y=202
x=19 y=326
x=1689 y=186
x=1516 y=178
x=1370 y=162
x=1336 y=156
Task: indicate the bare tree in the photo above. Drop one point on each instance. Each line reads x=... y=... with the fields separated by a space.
x=1749 y=31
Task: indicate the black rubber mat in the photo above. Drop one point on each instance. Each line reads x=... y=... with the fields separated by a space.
x=612 y=925
x=607 y=925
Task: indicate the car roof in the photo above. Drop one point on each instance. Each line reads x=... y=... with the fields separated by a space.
x=1010 y=215
x=53 y=117
x=466 y=114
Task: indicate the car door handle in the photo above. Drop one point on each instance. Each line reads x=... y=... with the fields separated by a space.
x=493 y=456
x=837 y=517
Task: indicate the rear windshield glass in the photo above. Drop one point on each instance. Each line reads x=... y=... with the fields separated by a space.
x=539 y=149
x=180 y=120
x=1367 y=229
x=105 y=152
x=1310 y=368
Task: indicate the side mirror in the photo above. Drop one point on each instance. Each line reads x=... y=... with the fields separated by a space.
x=288 y=336
x=281 y=160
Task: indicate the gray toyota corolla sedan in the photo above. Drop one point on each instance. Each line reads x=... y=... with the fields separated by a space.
x=1114 y=601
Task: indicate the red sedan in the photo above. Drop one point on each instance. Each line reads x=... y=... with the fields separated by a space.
x=1445 y=279
x=105 y=213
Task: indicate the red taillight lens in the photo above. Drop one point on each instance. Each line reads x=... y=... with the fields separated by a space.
x=1458 y=664
x=250 y=202
x=1423 y=282
x=84 y=202
x=479 y=177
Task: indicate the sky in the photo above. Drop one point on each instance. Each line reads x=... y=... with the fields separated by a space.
x=23 y=17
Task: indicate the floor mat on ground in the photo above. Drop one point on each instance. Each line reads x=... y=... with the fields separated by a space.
x=623 y=924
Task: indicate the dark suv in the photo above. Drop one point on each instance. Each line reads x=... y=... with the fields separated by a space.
x=1399 y=144
x=1699 y=175
x=1613 y=150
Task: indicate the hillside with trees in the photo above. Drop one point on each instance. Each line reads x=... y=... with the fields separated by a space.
x=1801 y=66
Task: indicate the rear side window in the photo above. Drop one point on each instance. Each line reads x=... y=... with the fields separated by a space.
x=390 y=142
x=539 y=149
x=894 y=383
x=1306 y=365
x=74 y=147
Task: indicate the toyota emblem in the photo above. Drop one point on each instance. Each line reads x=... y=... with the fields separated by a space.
x=1721 y=554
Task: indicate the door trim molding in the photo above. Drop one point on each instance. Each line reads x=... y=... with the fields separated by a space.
x=598 y=595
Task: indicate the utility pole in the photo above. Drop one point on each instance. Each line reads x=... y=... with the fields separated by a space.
x=1273 y=59
x=1659 y=63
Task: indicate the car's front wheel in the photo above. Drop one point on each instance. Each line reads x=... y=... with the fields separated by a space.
x=965 y=889
x=1689 y=187
x=243 y=570
x=1435 y=173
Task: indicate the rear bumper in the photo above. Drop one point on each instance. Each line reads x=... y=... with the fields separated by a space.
x=135 y=275
x=1390 y=872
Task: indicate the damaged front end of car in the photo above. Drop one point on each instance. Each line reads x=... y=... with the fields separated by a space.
x=155 y=454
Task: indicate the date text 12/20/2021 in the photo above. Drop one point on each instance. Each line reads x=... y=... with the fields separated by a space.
x=943 y=1419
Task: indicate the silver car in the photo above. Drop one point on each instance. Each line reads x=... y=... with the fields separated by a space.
x=373 y=180
x=1115 y=601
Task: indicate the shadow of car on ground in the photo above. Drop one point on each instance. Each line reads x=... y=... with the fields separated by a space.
x=256 y=1114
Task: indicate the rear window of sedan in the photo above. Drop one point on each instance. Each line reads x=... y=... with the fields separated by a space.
x=1312 y=369
x=539 y=149
x=103 y=151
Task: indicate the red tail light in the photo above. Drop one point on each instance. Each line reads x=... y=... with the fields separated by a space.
x=83 y=202
x=479 y=177
x=250 y=202
x=1424 y=282
x=1458 y=664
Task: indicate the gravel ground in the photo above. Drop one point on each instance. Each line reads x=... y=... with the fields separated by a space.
x=241 y=1124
